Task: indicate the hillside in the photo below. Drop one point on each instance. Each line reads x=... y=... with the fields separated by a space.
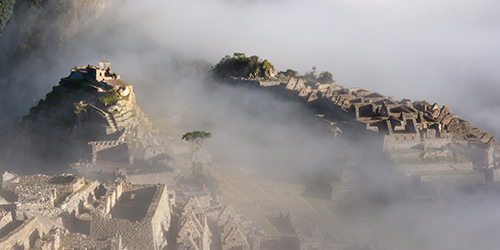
x=42 y=26
x=91 y=104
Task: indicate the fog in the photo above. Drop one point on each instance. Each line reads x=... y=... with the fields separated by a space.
x=445 y=52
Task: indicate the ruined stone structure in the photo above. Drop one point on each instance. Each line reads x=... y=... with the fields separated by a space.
x=92 y=104
x=140 y=214
x=20 y=234
x=59 y=238
x=100 y=73
x=60 y=197
x=193 y=231
x=61 y=183
x=410 y=132
x=112 y=150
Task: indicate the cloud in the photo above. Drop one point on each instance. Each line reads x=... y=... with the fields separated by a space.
x=440 y=51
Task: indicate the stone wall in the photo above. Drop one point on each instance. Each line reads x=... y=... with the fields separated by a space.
x=62 y=184
x=62 y=239
x=24 y=236
x=160 y=178
x=436 y=142
x=436 y=167
x=118 y=150
x=35 y=198
x=74 y=201
x=148 y=233
x=5 y=218
x=160 y=216
x=401 y=141
x=453 y=179
x=135 y=235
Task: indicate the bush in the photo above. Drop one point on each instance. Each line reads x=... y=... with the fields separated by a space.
x=6 y=8
x=241 y=66
x=325 y=77
x=289 y=73
x=110 y=97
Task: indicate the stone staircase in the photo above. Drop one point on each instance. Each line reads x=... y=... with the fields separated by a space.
x=109 y=118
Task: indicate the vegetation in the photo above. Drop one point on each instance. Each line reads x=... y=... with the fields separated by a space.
x=60 y=198
x=110 y=97
x=241 y=66
x=423 y=102
x=6 y=8
x=198 y=176
x=310 y=75
x=289 y=73
x=196 y=138
x=85 y=186
x=325 y=77
x=79 y=108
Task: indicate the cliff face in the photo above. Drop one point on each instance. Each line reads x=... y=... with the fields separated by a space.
x=92 y=104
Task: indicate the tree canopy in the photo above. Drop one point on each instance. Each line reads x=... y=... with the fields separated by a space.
x=196 y=138
x=196 y=135
x=242 y=66
x=325 y=77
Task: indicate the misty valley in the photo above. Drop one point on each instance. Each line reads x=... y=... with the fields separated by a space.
x=180 y=149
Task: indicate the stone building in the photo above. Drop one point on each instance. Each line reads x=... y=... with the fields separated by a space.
x=140 y=214
x=193 y=230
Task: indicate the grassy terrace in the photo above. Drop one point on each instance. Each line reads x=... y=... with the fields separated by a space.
x=85 y=186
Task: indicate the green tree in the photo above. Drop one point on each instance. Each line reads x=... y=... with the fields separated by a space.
x=6 y=8
x=311 y=75
x=196 y=138
x=242 y=66
x=325 y=77
x=290 y=73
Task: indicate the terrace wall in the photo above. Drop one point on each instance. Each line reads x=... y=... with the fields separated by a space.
x=24 y=236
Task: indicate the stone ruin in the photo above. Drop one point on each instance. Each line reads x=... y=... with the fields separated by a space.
x=121 y=216
x=119 y=151
x=408 y=131
x=125 y=216
x=140 y=214
x=91 y=105
x=220 y=227
x=40 y=205
x=100 y=73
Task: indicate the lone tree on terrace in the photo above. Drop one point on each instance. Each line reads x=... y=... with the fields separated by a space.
x=196 y=138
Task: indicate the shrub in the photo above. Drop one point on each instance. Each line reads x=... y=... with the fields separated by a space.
x=242 y=66
x=325 y=77
x=110 y=97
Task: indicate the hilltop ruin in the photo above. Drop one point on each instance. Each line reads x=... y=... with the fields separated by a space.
x=92 y=114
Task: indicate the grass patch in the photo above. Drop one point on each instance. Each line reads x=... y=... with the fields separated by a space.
x=60 y=198
x=85 y=186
